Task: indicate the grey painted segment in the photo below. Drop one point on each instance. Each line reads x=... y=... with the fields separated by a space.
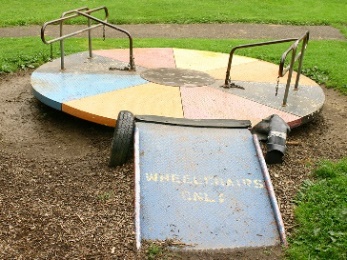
x=302 y=102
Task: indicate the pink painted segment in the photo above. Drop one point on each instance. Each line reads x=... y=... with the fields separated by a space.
x=295 y=123
x=144 y=57
x=211 y=103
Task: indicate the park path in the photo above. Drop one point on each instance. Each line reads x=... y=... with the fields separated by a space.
x=214 y=31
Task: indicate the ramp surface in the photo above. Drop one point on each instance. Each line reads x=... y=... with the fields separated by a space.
x=205 y=187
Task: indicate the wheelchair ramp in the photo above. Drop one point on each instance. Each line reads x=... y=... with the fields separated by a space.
x=206 y=187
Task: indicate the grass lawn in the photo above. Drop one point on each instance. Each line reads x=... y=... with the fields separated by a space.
x=313 y=12
x=321 y=214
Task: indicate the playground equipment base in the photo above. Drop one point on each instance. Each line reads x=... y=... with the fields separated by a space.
x=172 y=82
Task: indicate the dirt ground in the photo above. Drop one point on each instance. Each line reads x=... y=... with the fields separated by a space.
x=60 y=200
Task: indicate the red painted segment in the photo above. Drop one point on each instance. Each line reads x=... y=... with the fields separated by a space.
x=211 y=103
x=144 y=57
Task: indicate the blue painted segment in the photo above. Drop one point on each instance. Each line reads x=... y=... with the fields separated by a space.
x=49 y=102
x=63 y=87
x=202 y=186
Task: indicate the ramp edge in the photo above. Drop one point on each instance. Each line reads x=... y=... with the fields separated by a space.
x=270 y=189
x=137 y=189
x=216 y=123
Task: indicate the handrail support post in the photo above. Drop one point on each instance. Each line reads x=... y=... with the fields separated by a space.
x=303 y=48
x=62 y=51
x=286 y=92
x=51 y=51
x=90 y=40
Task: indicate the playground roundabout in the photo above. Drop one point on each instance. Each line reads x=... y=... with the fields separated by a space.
x=184 y=84
x=60 y=199
x=178 y=83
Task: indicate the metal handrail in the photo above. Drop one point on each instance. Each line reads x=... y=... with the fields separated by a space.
x=300 y=56
x=89 y=25
x=282 y=71
x=84 y=11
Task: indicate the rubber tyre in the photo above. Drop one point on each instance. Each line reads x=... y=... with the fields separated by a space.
x=123 y=138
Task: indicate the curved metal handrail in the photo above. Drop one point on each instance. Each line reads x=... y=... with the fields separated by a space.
x=131 y=54
x=81 y=9
x=85 y=12
x=294 y=46
x=64 y=18
x=281 y=71
x=300 y=56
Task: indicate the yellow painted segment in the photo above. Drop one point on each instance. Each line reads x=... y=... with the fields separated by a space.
x=205 y=60
x=219 y=73
x=147 y=99
x=259 y=71
x=78 y=112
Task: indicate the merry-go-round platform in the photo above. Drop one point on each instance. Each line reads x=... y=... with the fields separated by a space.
x=172 y=82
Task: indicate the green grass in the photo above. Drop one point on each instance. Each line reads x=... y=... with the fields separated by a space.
x=325 y=61
x=154 y=251
x=321 y=214
x=313 y=12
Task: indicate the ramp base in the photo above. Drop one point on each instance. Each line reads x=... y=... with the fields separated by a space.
x=204 y=187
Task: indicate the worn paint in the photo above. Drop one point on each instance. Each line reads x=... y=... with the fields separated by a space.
x=203 y=186
x=208 y=102
x=88 y=89
x=148 y=99
x=145 y=57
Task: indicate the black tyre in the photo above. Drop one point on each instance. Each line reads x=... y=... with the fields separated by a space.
x=123 y=138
